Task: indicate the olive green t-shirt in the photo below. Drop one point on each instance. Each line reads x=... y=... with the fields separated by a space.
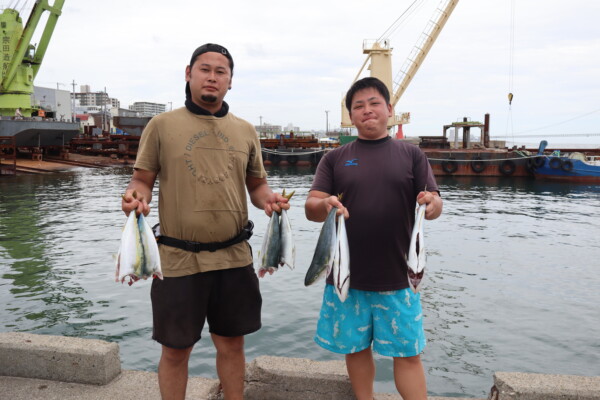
x=202 y=162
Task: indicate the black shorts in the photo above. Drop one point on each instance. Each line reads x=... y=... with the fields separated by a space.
x=228 y=299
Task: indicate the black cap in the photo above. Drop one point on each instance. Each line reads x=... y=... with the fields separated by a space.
x=215 y=48
x=205 y=48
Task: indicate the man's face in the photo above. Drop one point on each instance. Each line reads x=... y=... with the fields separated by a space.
x=369 y=113
x=210 y=79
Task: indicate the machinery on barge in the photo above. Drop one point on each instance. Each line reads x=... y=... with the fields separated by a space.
x=23 y=125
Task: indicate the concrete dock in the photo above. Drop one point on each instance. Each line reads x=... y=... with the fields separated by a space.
x=55 y=367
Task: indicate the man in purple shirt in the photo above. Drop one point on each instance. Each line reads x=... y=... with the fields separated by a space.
x=381 y=179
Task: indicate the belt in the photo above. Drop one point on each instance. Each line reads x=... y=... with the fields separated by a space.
x=197 y=247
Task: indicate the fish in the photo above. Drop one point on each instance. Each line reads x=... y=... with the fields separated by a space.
x=322 y=261
x=416 y=257
x=288 y=248
x=129 y=258
x=151 y=257
x=270 y=252
x=138 y=256
x=341 y=261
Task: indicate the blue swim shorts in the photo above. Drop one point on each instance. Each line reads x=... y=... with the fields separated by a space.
x=392 y=321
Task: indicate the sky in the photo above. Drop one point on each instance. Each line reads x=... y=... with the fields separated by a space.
x=294 y=61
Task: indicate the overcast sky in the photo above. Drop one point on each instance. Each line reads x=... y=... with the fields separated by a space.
x=295 y=60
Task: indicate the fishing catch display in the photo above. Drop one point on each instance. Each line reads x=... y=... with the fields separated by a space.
x=416 y=252
x=278 y=245
x=332 y=255
x=138 y=256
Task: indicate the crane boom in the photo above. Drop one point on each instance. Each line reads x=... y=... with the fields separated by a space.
x=421 y=49
x=379 y=53
x=21 y=59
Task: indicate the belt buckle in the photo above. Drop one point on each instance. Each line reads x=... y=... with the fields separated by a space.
x=191 y=246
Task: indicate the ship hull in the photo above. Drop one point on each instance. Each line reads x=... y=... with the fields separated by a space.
x=479 y=162
x=42 y=133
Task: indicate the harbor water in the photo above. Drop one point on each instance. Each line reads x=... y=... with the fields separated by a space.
x=512 y=280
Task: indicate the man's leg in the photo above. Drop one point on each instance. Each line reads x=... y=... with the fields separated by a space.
x=361 y=370
x=409 y=376
x=173 y=372
x=231 y=365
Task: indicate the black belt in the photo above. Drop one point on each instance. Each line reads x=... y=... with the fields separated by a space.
x=196 y=247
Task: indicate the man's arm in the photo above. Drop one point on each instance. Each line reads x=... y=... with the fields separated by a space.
x=263 y=197
x=318 y=204
x=141 y=183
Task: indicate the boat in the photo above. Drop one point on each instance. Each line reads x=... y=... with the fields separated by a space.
x=566 y=167
x=294 y=150
x=470 y=157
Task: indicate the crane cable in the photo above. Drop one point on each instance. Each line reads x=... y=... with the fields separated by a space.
x=396 y=24
x=511 y=64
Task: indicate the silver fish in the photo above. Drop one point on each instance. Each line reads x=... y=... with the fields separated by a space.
x=129 y=259
x=270 y=251
x=322 y=261
x=341 y=261
x=138 y=256
x=416 y=252
x=151 y=257
x=288 y=249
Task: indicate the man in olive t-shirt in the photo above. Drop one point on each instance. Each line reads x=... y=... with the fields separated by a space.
x=205 y=158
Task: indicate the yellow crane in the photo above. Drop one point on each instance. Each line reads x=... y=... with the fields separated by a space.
x=379 y=53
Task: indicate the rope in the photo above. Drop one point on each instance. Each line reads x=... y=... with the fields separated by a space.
x=485 y=161
x=293 y=153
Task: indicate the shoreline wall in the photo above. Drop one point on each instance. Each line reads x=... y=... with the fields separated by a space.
x=75 y=368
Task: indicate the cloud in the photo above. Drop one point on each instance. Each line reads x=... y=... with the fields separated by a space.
x=296 y=60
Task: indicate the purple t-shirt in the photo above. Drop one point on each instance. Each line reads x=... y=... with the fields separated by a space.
x=380 y=181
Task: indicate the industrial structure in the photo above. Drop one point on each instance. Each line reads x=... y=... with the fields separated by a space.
x=22 y=123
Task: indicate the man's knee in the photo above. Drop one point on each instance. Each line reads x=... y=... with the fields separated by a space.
x=176 y=355
x=225 y=344
x=414 y=361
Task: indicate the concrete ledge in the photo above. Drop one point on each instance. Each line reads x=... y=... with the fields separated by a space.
x=129 y=385
x=282 y=378
x=524 y=386
x=58 y=358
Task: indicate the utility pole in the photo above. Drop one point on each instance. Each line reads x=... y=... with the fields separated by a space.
x=73 y=111
x=326 y=122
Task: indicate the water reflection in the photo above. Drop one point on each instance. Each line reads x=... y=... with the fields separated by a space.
x=498 y=296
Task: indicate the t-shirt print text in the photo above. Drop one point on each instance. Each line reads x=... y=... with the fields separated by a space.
x=208 y=157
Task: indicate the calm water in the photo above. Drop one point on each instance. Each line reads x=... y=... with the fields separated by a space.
x=513 y=282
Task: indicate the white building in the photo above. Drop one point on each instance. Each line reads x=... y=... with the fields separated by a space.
x=147 y=109
x=54 y=101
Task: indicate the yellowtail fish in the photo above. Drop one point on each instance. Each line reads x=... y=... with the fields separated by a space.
x=288 y=249
x=151 y=261
x=322 y=261
x=416 y=252
x=278 y=245
x=138 y=256
x=341 y=261
x=270 y=252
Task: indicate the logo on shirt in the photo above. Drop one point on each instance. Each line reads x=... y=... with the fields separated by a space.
x=351 y=163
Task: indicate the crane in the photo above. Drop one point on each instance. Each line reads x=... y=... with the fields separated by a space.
x=379 y=53
x=21 y=60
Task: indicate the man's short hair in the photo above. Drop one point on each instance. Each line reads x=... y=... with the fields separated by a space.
x=215 y=48
x=366 y=83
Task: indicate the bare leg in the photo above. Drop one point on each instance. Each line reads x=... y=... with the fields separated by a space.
x=231 y=365
x=173 y=373
x=409 y=376
x=361 y=370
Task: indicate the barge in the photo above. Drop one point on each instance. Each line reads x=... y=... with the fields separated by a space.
x=294 y=150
